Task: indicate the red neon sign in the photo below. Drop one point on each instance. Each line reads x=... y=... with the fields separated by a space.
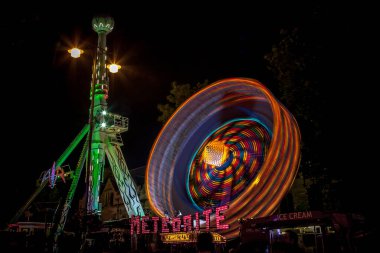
x=184 y=224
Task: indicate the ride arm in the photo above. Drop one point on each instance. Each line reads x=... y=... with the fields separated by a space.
x=59 y=162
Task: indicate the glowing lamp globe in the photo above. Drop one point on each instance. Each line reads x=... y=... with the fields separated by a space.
x=113 y=68
x=75 y=52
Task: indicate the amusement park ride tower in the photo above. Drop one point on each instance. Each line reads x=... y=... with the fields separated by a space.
x=103 y=140
x=104 y=133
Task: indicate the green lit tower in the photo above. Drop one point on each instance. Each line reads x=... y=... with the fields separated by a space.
x=98 y=112
x=104 y=133
x=103 y=139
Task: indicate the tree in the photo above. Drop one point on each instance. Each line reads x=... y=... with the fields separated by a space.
x=178 y=94
x=300 y=65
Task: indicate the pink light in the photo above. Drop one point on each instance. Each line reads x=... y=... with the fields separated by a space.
x=197 y=221
x=144 y=225
x=187 y=223
x=207 y=215
x=176 y=225
x=135 y=222
x=155 y=224
x=219 y=217
x=164 y=225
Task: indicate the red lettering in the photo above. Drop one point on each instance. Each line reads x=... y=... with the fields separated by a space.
x=135 y=222
x=187 y=223
x=176 y=225
x=144 y=225
x=207 y=216
x=155 y=224
x=197 y=221
x=164 y=225
x=141 y=224
x=60 y=173
x=219 y=217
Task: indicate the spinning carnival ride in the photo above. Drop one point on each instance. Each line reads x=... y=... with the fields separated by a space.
x=231 y=143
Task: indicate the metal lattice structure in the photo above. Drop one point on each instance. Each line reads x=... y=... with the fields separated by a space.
x=103 y=140
x=105 y=130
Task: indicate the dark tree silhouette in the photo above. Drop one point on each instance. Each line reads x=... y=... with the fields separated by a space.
x=178 y=94
x=301 y=62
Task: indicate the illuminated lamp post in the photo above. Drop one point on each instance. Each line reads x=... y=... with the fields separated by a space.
x=104 y=130
x=97 y=112
x=103 y=140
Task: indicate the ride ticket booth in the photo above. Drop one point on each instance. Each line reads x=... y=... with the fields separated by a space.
x=180 y=240
x=317 y=232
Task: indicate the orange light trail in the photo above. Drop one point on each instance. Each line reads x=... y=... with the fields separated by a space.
x=260 y=140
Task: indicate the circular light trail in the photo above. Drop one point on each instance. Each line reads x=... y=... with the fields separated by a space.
x=231 y=143
x=244 y=144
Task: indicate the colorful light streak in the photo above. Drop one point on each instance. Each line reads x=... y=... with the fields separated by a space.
x=262 y=160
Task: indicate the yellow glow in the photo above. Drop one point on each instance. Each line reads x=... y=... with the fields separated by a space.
x=257 y=180
x=114 y=68
x=215 y=153
x=75 y=52
x=188 y=237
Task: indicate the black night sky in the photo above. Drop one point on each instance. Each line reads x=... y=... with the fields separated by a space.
x=46 y=92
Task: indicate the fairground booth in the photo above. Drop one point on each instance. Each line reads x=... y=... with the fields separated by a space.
x=317 y=232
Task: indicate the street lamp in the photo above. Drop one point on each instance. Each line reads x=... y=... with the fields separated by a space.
x=113 y=68
x=103 y=139
x=75 y=52
x=98 y=112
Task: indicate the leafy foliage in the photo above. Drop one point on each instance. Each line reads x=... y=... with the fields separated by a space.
x=298 y=63
x=178 y=94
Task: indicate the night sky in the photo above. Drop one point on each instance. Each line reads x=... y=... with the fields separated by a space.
x=46 y=92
